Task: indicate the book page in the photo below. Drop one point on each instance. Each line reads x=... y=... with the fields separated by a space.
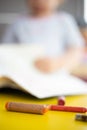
x=17 y=63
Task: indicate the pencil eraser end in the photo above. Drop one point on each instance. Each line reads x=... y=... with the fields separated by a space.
x=61 y=102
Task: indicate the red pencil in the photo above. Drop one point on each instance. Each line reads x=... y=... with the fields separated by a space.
x=68 y=109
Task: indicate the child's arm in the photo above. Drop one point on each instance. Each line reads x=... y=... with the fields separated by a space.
x=73 y=55
x=68 y=61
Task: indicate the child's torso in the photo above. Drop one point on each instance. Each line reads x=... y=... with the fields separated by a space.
x=50 y=32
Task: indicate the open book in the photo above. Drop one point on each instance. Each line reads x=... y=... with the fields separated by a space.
x=17 y=71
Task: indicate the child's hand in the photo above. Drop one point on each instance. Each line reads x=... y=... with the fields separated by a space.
x=68 y=61
x=47 y=65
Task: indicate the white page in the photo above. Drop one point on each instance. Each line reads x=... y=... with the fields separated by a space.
x=17 y=63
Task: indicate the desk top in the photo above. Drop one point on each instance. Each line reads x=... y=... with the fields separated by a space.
x=52 y=120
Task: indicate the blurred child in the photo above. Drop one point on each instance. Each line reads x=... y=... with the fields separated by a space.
x=56 y=30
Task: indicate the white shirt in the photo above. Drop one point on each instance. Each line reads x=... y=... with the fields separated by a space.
x=55 y=32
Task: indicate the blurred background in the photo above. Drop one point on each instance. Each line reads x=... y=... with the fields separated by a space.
x=9 y=9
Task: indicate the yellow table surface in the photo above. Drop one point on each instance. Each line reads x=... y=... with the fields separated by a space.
x=52 y=120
